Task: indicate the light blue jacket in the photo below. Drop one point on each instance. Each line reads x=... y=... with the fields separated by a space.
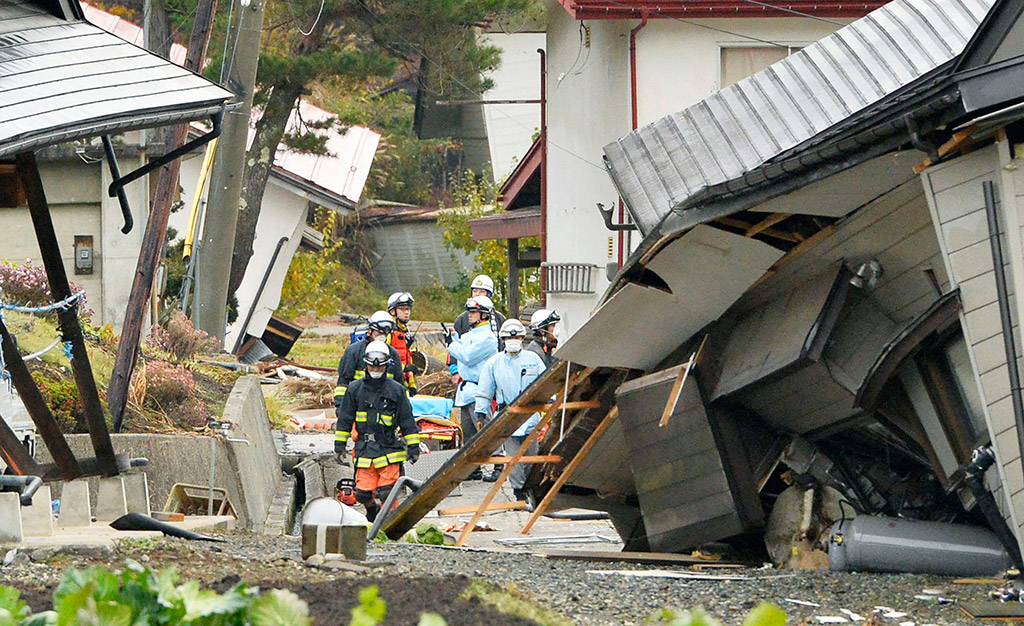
x=503 y=378
x=471 y=350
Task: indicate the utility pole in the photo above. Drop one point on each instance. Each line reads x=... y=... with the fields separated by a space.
x=209 y=311
x=155 y=235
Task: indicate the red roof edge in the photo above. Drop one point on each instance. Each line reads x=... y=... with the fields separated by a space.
x=516 y=181
x=635 y=9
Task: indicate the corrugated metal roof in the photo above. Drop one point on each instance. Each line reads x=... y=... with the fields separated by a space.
x=676 y=160
x=63 y=80
x=634 y=9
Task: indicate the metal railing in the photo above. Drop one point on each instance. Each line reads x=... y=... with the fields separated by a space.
x=569 y=277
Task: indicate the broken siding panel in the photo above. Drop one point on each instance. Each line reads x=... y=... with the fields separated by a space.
x=776 y=335
x=787 y=404
x=682 y=484
x=602 y=469
x=954 y=191
x=861 y=334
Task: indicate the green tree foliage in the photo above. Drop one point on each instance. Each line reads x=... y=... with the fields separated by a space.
x=475 y=196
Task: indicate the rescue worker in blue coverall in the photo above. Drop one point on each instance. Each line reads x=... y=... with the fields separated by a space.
x=503 y=377
x=470 y=351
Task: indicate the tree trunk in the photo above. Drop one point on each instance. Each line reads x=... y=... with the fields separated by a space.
x=259 y=160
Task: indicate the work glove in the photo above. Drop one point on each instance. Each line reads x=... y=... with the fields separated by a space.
x=449 y=336
x=413 y=453
x=412 y=369
x=480 y=418
x=342 y=458
x=413 y=391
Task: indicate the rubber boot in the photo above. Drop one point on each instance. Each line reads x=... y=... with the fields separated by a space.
x=371 y=511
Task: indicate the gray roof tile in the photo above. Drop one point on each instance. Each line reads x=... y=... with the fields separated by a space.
x=732 y=134
x=62 y=80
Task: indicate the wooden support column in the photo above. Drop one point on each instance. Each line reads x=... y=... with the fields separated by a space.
x=14 y=453
x=37 y=408
x=513 y=278
x=42 y=222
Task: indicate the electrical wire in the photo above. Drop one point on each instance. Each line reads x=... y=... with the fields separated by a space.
x=316 y=21
x=795 y=12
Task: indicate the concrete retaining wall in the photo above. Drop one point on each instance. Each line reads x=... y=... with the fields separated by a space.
x=250 y=473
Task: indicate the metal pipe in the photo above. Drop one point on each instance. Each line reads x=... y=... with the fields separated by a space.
x=29 y=486
x=1009 y=343
x=543 y=175
x=243 y=329
x=634 y=107
x=385 y=509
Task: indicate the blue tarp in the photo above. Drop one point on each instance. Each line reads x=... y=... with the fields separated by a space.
x=431 y=405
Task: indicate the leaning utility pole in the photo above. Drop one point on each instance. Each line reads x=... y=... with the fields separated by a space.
x=156 y=233
x=209 y=311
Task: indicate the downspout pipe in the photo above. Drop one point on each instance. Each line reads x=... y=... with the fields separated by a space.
x=974 y=473
x=543 y=175
x=635 y=118
x=1009 y=343
x=29 y=486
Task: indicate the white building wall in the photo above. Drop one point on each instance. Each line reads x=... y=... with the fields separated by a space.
x=678 y=65
x=77 y=196
x=511 y=127
x=588 y=107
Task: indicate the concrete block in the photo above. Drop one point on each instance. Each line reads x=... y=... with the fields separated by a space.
x=136 y=491
x=75 y=511
x=37 y=519
x=110 y=499
x=10 y=517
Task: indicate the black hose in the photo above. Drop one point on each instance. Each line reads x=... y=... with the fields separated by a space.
x=974 y=472
x=29 y=486
x=385 y=508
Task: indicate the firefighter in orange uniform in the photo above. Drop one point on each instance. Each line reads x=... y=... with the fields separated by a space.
x=400 y=307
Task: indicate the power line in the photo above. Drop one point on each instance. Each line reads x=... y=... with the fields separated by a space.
x=795 y=12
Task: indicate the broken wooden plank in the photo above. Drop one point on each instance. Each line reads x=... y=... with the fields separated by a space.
x=571 y=467
x=538 y=458
x=38 y=409
x=49 y=248
x=506 y=472
x=14 y=454
x=677 y=387
x=766 y=223
x=459 y=467
x=649 y=558
x=494 y=506
x=541 y=408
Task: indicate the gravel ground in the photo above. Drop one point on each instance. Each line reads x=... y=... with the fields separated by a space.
x=425 y=578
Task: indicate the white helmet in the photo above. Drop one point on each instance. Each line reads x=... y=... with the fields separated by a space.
x=377 y=353
x=482 y=304
x=512 y=328
x=400 y=298
x=484 y=282
x=382 y=322
x=542 y=318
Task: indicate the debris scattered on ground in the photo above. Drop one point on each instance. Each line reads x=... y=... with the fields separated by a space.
x=801 y=602
x=564 y=539
x=662 y=573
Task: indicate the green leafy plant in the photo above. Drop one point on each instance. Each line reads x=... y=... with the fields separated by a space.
x=61 y=396
x=371 y=610
x=137 y=595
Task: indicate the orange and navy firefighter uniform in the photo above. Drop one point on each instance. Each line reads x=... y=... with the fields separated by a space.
x=388 y=435
x=401 y=340
x=351 y=368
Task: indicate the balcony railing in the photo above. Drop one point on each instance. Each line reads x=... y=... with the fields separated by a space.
x=569 y=277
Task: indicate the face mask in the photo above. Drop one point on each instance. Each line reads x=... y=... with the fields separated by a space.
x=513 y=346
x=375 y=374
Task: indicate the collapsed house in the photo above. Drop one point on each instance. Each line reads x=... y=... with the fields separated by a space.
x=815 y=298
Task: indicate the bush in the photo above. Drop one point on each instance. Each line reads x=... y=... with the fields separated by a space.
x=181 y=340
x=61 y=396
x=171 y=389
x=27 y=285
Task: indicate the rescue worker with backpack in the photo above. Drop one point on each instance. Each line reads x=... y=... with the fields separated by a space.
x=400 y=308
x=351 y=366
x=544 y=342
x=378 y=407
x=503 y=377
